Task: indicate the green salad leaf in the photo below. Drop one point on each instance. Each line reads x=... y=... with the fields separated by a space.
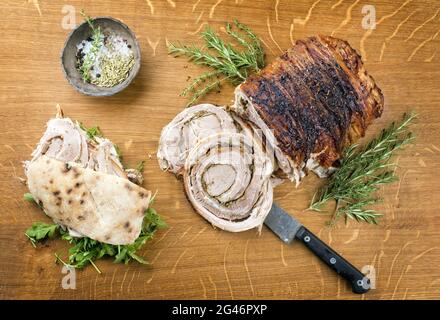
x=86 y=251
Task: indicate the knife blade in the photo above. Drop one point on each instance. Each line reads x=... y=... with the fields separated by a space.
x=287 y=228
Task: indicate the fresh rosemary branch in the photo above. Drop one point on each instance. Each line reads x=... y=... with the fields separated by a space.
x=361 y=172
x=255 y=52
x=89 y=59
x=228 y=62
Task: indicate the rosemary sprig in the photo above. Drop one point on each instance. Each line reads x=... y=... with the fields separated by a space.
x=212 y=84
x=229 y=63
x=256 y=52
x=361 y=172
x=89 y=59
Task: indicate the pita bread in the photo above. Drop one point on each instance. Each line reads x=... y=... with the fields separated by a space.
x=103 y=207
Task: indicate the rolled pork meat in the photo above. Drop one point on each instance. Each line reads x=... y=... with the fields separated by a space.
x=227 y=180
x=186 y=130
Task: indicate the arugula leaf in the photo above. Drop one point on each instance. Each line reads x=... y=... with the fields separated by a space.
x=29 y=197
x=118 y=151
x=85 y=250
x=152 y=216
x=140 y=166
x=91 y=132
x=41 y=231
x=94 y=132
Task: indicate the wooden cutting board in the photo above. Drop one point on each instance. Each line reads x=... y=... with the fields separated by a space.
x=190 y=259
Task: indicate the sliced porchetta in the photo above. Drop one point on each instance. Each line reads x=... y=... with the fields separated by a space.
x=63 y=140
x=186 y=130
x=227 y=180
x=104 y=157
x=101 y=206
x=67 y=141
x=309 y=104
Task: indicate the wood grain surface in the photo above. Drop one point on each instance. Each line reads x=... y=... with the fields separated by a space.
x=190 y=259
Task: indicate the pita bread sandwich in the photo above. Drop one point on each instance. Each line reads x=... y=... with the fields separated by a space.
x=76 y=177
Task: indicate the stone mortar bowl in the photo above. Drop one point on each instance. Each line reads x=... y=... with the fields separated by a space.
x=82 y=32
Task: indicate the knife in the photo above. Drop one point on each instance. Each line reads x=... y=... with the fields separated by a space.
x=288 y=228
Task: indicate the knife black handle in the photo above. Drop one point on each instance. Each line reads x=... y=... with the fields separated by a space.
x=359 y=283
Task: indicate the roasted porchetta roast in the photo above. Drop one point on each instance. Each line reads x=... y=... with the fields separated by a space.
x=309 y=104
x=296 y=115
x=81 y=184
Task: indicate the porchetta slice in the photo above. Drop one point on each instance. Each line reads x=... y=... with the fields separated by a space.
x=186 y=130
x=309 y=104
x=104 y=157
x=63 y=140
x=67 y=141
x=227 y=180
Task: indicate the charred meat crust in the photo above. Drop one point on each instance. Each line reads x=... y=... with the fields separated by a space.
x=316 y=98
